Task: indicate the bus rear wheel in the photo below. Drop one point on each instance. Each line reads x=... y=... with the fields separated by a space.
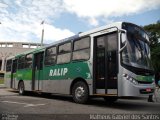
x=80 y=92
x=21 y=88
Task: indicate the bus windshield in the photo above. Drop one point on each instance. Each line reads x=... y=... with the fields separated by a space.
x=137 y=52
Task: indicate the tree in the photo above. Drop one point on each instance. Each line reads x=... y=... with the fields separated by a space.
x=154 y=34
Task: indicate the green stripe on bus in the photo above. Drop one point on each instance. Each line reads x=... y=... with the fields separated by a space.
x=57 y=72
x=67 y=71
x=25 y=74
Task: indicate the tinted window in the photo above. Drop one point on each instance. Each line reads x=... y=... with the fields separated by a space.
x=64 y=48
x=28 y=61
x=8 y=67
x=112 y=42
x=51 y=51
x=14 y=69
x=50 y=57
x=21 y=62
x=81 y=49
x=81 y=44
x=135 y=30
x=100 y=42
x=50 y=60
x=39 y=60
x=64 y=53
x=81 y=55
x=63 y=58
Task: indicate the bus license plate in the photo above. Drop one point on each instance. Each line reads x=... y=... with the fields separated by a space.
x=148 y=89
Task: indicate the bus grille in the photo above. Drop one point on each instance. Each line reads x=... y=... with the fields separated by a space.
x=144 y=82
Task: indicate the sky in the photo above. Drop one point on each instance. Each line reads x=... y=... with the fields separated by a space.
x=21 y=19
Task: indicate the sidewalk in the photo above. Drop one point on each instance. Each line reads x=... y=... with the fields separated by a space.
x=7 y=92
x=156 y=96
x=2 y=86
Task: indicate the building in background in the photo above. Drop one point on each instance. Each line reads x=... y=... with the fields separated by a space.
x=11 y=48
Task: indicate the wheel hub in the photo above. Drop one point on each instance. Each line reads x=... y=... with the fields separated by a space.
x=79 y=92
x=21 y=88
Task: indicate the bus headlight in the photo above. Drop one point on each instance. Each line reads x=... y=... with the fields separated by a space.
x=131 y=79
x=134 y=82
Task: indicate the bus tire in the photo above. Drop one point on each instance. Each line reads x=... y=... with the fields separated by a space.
x=80 y=92
x=21 y=88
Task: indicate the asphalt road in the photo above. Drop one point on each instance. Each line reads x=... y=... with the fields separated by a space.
x=50 y=107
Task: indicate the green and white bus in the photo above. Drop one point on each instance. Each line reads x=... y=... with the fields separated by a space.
x=111 y=61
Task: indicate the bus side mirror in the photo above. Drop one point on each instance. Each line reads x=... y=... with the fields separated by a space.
x=123 y=40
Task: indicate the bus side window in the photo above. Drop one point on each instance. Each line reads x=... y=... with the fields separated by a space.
x=81 y=49
x=21 y=62
x=41 y=61
x=8 y=67
x=28 y=63
x=50 y=56
x=14 y=69
x=64 y=53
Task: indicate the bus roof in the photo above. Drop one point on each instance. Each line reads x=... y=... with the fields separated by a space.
x=64 y=40
x=10 y=57
x=116 y=24
x=31 y=51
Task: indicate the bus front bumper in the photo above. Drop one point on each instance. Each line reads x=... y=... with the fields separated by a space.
x=130 y=89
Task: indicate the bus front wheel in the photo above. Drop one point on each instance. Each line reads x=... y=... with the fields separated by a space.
x=21 y=88
x=80 y=92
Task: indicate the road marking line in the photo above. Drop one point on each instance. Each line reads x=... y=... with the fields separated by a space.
x=33 y=105
x=25 y=104
x=13 y=102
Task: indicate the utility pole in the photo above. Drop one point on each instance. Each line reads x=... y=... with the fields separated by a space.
x=42 y=37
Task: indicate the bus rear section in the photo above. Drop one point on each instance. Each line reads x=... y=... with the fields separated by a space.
x=9 y=77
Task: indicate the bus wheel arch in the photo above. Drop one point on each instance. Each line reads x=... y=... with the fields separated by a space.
x=79 y=90
x=21 y=87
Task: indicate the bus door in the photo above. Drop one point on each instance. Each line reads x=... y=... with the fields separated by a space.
x=106 y=64
x=37 y=71
x=13 y=73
